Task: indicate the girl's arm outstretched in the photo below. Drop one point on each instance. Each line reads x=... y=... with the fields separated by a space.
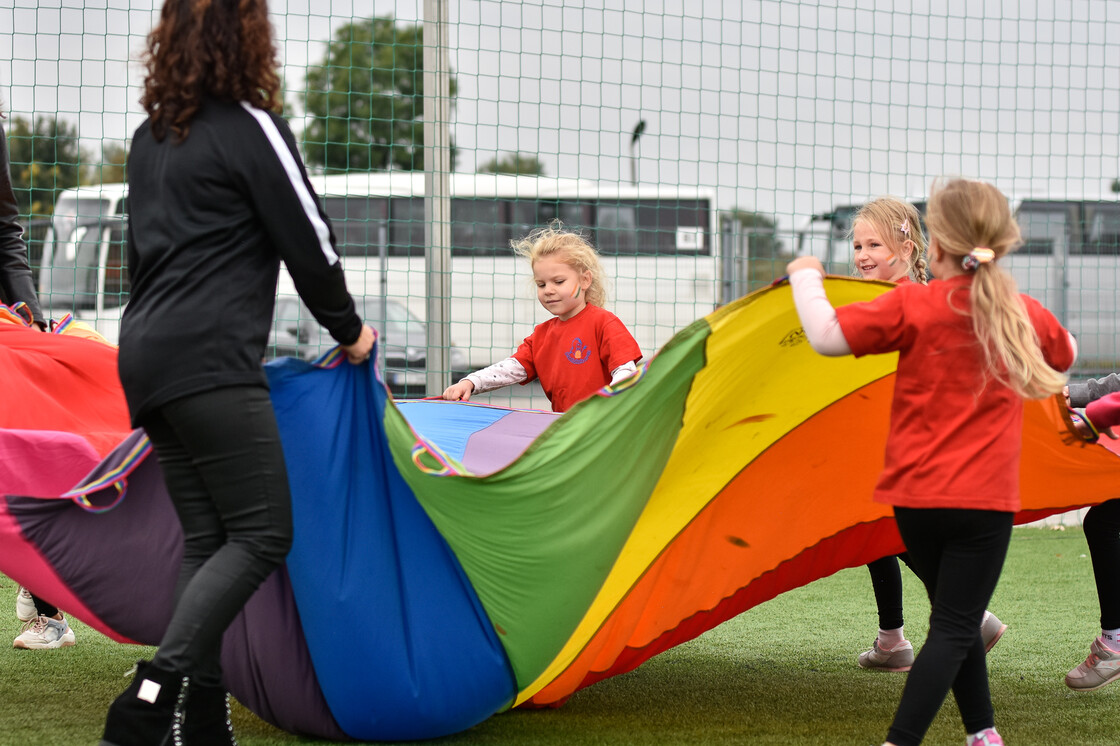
x=818 y=317
x=504 y=373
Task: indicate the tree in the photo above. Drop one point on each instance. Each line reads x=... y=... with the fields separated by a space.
x=513 y=163
x=46 y=158
x=366 y=99
x=114 y=156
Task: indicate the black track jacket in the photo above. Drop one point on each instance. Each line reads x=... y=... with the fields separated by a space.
x=210 y=218
x=15 y=275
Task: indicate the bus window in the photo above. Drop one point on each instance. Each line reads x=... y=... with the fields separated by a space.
x=574 y=214
x=671 y=227
x=116 y=268
x=356 y=221
x=1045 y=229
x=528 y=215
x=1102 y=230
x=477 y=229
x=406 y=226
x=616 y=230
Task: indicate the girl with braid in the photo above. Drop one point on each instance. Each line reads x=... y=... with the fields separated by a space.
x=889 y=245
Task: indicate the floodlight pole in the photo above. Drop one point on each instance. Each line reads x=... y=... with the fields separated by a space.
x=639 y=128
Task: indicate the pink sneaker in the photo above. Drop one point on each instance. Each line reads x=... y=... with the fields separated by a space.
x=986 y=737
x=1100 y=668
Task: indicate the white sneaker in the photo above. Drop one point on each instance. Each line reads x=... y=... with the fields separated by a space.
x=899 y=658
x=25 y=606
x=45 y=633
x=991 y=629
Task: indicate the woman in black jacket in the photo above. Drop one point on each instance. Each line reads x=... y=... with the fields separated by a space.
x=218 y=196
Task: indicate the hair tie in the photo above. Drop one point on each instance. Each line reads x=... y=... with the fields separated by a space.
x=905 y=227
x=976 y=257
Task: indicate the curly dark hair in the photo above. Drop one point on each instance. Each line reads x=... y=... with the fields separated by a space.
x=219 y=48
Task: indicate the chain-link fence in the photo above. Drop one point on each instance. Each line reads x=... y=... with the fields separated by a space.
x=697 y=144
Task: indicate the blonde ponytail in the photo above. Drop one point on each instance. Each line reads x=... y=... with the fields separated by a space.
x=964 y=215
x=1007 y=336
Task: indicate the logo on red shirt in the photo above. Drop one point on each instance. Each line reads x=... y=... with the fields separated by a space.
x=578 y=353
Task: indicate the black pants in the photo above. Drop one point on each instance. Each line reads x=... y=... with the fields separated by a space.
x=886 y=582
x=958 y=554
x=224 y=468
x=42 y=608
x=1102 y=533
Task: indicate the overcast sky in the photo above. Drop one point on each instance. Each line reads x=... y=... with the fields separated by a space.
x=787 y=107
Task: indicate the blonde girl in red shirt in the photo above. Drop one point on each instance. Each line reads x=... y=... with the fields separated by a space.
x=951 y=466
x=888 y=244
x=583 y=347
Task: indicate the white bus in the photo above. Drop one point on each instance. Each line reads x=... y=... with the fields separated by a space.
x=659 y=247
x=1069 y=261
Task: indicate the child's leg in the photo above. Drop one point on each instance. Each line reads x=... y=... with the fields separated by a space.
x=1102 y=533
x=959 y=555
x=886 y=582
x=890 y=651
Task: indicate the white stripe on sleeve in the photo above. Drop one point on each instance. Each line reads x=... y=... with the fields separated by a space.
x=310 y=209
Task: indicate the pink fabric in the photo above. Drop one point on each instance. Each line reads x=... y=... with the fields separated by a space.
x=24 y=564
x=62 y=383
x=1104 y=412
x=43 y=463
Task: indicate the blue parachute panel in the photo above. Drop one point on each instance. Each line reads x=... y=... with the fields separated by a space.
x=392 y=623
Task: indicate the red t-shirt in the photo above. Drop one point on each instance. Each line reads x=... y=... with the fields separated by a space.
x=955 y=433
x=573 y=359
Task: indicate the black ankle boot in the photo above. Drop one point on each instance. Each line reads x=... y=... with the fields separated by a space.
x=150 y=711
x=206 y=718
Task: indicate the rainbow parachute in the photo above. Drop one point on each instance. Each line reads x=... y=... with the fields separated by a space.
x=487 y=557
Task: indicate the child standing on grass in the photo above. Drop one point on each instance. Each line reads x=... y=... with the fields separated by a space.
x=1101 y=400
x=888 y=244
x=970 y=350
x=583 y=348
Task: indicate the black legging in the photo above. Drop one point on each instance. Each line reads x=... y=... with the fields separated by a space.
x=958 y=555
x=886 y=582
x=224 y=468
x=42 y=608
x=1102 y=533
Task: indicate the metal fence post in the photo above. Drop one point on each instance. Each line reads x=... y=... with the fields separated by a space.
x=437 y=193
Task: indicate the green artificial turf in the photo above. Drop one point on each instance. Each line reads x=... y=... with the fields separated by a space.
x=782 y=673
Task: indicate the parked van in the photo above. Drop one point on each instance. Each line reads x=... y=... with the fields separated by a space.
x=85 y=262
